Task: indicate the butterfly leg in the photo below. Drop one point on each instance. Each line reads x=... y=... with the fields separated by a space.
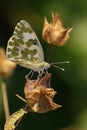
x=45 y=70
x=29 y=73
x=32 y=73
x=39 y=75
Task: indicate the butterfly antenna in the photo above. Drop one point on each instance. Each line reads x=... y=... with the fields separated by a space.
x=58 y=67
x=60 y=62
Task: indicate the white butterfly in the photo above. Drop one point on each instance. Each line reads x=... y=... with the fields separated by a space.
x=25 y=49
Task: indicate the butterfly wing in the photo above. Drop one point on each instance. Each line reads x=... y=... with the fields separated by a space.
x=24 y=45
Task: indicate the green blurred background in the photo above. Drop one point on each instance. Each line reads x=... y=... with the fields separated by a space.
x=71 y=85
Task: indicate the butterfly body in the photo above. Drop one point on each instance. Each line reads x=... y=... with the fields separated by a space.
x=35 y=66
x=25 y=49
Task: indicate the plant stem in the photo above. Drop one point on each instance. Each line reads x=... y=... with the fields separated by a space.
x=0 y=128
x=5 y=99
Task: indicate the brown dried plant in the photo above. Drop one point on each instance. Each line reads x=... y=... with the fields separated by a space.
x=6 y=66
x=39 y=98
x=39 y=94
x=54 y=32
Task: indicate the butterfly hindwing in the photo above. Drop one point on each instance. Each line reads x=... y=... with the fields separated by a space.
x=24 y=45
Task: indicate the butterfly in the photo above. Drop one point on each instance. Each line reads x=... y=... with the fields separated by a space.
x=25 y=49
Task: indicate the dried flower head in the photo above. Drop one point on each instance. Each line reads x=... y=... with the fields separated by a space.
x=10 y=123
x=54 y=32
x=6 y=66
x=40 y=95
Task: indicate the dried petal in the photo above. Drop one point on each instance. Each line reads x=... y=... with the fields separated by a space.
x=40 y=97
x=6 y=66
x=53 y=32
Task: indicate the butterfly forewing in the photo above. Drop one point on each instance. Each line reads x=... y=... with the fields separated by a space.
x=24 y=45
